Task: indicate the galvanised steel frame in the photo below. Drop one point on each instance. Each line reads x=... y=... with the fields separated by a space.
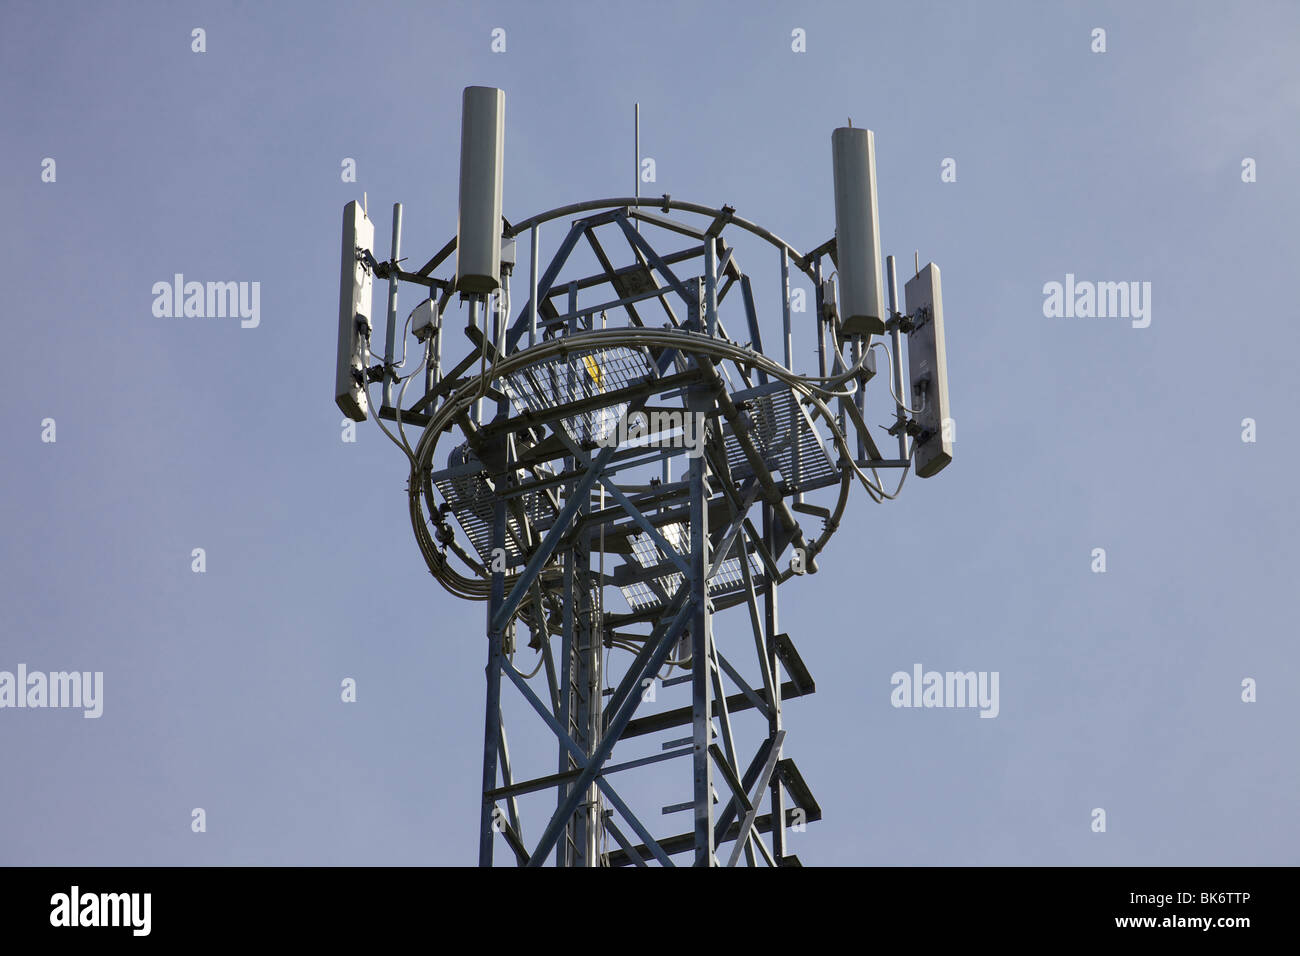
x=546 y=502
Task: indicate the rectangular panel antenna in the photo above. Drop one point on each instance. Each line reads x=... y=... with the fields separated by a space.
x=355 y=289
x=928 y=364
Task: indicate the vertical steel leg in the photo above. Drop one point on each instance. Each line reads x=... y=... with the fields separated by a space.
x=701 y=658
x=773 y=662
x=492 y=715
x=564 y=846
x=586 y=688
x=581 y=711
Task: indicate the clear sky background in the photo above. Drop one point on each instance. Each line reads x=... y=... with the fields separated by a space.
x=1119 y=690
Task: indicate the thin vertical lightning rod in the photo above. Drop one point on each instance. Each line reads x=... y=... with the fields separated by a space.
x=637 y=185
x=391 y=331
x=897 y=349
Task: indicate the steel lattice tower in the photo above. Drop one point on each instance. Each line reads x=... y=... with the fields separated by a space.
x=614 y=440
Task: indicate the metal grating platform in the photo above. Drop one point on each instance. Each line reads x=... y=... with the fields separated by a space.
x=471 y=500
x=777 y=417
x=643 y=595
x=583 y=373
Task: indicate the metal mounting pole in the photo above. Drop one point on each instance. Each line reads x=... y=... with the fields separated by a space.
x=391 y=331
x=785 y=309
x=433 y=352
x=821 y=325
x=532 y=286
x=860 y=349
x=896 y=347
x=710 y=287
x=473 y=324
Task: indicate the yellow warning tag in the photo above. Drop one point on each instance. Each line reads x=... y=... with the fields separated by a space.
x=594 y=370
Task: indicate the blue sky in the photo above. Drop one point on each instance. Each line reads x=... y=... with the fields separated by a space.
x=1119 y=690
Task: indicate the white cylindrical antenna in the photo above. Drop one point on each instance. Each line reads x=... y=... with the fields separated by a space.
x=857 y=231
x=478 y=224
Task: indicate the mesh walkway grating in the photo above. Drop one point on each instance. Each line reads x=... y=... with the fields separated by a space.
x=583 y=373
x=643 y=595
x=471 y=500
x=778 y=417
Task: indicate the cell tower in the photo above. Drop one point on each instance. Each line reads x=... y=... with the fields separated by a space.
x=625 y=460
